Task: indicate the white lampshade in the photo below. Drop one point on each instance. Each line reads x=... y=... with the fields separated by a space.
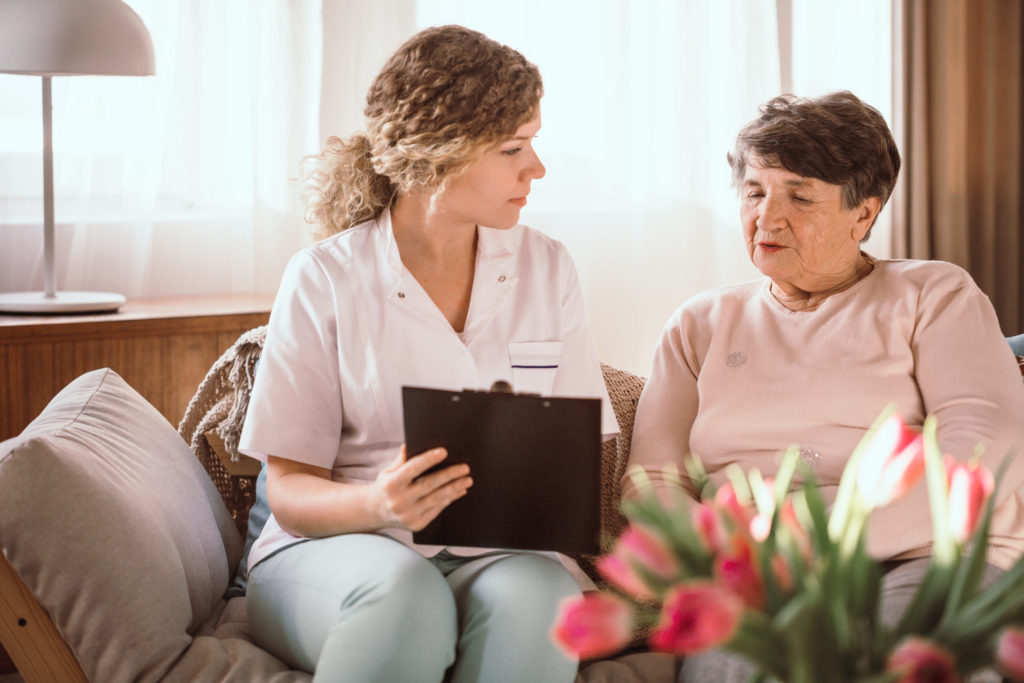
x=67 y=38
x=73 y=37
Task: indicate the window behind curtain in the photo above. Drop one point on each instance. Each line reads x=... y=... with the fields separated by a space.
x=173 y=184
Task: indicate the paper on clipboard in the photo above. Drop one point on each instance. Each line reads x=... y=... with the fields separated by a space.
x=535 y=462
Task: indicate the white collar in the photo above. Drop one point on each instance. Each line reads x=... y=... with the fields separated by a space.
x=492 y=243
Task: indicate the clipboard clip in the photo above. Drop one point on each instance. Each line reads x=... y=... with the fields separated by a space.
x=499 y=387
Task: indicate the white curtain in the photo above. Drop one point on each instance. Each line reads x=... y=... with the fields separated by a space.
x=177 y=184
x=642 y=102
x=845 y=46
x=185 y=182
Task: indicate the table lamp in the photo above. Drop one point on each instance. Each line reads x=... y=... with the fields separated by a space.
x=67 y=38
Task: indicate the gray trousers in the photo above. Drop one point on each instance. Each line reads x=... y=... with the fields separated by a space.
x=364 y=607
x=898 y=587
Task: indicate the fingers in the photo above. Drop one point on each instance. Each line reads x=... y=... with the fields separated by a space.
x=435 y=480
x=418 y=464
x=411 y=498
x=432 y=504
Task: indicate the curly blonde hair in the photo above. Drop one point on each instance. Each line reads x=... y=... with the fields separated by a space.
x=442 y=99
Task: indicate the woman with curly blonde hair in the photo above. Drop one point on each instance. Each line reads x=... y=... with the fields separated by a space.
x=422 y=276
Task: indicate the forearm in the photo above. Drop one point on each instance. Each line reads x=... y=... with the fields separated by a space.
x=970 y=383
x=306 y=502
x=664 y=417
x=404 y=495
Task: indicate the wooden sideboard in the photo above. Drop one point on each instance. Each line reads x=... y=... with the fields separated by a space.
x=162 y=347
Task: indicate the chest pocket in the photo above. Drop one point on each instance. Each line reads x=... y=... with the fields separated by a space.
x=534 y=364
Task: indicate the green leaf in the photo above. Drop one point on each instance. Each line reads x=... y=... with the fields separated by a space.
x=787 y=471
x=944 y=550
x=811 y=506
x=763 y=496
x=865 y=579
x=843 y=507
x=698 y=477
x=926 y=606
x=738 y=478
x=758 y=641
x=815 y=656
x=988 y=611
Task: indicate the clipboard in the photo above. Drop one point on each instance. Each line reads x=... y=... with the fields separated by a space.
x=535 y=463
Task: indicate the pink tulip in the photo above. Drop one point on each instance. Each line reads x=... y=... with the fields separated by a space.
x=761 y=520
x=593 y=625
x=697 y=616
x=892 y=463
x=618 y=573
x=970 y=485
x=790 y=521
x=1010 y=653
x=648 y=550
x=760 y=527
x=737 y=570
x=639 y=549
x=729 y=503
x=917 y=660
x=708 y=526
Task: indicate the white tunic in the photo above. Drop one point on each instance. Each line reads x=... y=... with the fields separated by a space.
x=350 y=326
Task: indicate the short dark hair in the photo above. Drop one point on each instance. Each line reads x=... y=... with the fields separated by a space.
x=836 y=138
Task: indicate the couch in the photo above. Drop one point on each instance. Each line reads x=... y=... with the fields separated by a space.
x=121 y=542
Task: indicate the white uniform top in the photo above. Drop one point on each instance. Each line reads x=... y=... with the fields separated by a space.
x=351 y=325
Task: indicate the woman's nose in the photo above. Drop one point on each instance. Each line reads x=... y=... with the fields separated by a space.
x=771 y=214
x=535 y=168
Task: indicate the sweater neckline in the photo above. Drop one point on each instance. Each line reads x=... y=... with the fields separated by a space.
x=828 y=302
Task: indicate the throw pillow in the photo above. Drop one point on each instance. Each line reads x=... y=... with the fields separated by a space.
x=115 y=526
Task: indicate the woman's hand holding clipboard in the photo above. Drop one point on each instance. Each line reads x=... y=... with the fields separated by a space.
x=535 y=464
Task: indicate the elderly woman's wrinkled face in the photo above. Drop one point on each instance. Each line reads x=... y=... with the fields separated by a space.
x=797 y=231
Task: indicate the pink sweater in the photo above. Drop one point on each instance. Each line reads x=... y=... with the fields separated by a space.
x=738 y=378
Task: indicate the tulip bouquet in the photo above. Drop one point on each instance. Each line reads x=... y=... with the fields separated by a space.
x=762 y=568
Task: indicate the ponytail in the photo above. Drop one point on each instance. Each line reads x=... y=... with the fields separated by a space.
x=342 y=188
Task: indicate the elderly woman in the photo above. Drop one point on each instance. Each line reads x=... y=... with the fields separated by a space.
x=814 y=351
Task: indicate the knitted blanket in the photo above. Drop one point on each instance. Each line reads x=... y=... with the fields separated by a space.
x=219 y=406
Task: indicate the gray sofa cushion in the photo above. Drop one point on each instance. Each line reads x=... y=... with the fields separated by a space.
x=111 y=521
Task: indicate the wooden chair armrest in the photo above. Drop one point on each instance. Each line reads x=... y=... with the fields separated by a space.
x=29 y=636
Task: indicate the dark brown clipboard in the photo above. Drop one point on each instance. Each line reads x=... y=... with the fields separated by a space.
x=535 y=463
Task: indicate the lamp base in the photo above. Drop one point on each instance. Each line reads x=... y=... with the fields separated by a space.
x=63 y=302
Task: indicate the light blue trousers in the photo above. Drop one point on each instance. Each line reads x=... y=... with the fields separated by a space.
x=364 y=607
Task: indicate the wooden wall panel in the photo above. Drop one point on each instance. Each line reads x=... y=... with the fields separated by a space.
x=161 y=347
x=29 y=378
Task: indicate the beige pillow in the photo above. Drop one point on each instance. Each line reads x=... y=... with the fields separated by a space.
x=112 y=522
